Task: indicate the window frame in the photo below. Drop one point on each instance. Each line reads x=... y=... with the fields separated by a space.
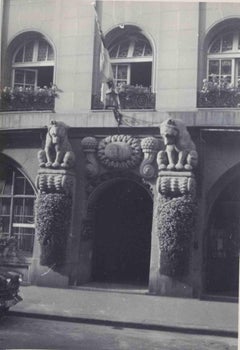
x=12 y=198
x=233 y=55
x=117 y=61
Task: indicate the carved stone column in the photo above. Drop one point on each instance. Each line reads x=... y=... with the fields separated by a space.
x=175 y=208
x=55 y=183
x=89 y=145
x=149 y=147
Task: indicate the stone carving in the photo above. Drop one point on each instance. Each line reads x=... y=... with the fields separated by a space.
x=176 y=184
x=119 y=152
x=55 y=181
x=58 y=150
x=150 y=148
x=180 y=153
x=89 y=145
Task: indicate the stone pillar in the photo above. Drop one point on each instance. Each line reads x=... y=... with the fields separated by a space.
x=174 y=213
x=53 y=209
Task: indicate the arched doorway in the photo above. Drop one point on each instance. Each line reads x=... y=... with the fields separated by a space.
x=122 y=239
x=224 y=242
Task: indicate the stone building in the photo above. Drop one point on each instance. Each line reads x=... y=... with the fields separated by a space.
x=171 y=61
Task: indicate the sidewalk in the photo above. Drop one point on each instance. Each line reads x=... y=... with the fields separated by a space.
x=128 y=309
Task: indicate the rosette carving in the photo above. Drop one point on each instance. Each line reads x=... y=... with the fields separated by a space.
x=120 y=152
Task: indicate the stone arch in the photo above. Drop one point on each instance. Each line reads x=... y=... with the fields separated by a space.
x=222 y=239
x=108 y=194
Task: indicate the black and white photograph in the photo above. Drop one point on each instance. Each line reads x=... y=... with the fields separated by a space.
x=119 y=174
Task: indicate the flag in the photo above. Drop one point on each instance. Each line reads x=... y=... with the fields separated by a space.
x=105 y=67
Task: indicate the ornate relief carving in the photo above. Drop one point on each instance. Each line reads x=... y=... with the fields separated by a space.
x=119 y=152
x=58 y=152
x=149 y=146
x=176 y=183
x=89 y=145
x=55 y=181
x=180 y=152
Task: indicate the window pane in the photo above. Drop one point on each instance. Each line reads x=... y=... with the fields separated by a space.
x=25 y=238
x=123 y=50
x=19 y=76
x=50 y=55
x=4 y=224
x=122 y=72
x=19 y=185
x=8 y=184
x=213 y=67
x=5 y=206
x=148 y=50
x=138 y=48
x=42 y=50
x=113 y=51
x=28 y=57
x=215 y=46
x=30 y=77
x=19 y=56
x=226 y=67
x=227 y=42
x=28 y=189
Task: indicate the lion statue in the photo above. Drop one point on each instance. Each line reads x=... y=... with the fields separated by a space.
x=180 y=152
x=58 y=151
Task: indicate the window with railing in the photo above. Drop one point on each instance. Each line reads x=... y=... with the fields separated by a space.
x=32 y=75
x=131 y=58
x=221 y=87
x=16 y=214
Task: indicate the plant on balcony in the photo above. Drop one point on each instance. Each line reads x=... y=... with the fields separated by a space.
x=25 y=99
x=131 y=97
x=52 y=218
x=218 y=93
x=176 y=219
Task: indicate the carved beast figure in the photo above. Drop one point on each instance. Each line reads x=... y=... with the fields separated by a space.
x=180 y=152
x=58 y=151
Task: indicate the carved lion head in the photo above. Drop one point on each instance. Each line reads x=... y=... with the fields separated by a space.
x=57 y=131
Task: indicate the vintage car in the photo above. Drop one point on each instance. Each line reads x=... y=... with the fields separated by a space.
x=9 y=289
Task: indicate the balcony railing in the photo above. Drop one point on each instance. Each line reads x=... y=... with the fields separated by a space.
x=130 y=97
x=218 y=94
x=26 y=99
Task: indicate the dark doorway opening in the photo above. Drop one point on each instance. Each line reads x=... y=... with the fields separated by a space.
x=122 y=241
x=224 y=243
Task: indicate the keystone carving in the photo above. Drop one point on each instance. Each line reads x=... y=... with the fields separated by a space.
x=89 y=145
x=180 y=152
x=150 y=148
x=119 y=152
x=58 y=152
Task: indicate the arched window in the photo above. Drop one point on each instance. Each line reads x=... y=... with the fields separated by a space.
x=33 y=64
x=224 y=57
x=131 y=58
x=16 y=209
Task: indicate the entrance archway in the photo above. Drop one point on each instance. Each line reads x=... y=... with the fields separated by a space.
x=224 y=242
x=122 y=237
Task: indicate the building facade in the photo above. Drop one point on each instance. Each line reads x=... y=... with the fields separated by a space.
x=170 y=60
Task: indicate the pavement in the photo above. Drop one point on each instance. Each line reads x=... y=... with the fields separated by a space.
x=133 y=308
